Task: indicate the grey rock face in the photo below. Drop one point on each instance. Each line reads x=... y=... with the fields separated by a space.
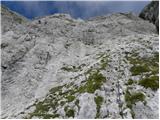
x=151 y=13
x=88 y=108
x=60 y=67
x=12 y=19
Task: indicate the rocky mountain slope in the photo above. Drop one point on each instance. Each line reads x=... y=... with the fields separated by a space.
x=151 y=13
x=11 y=20
x=60 y=67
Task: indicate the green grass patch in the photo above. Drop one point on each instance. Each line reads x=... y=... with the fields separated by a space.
x=150 y=82
x=130 y=82
x=56 y=89
x=138 y=69
x=62 y=103
x=147 y=65
x=70 y=98
x=94 y=82
x=141 y=65
x=132 y=99
x=50 y=102
x=69 y=111
x=98 y=100
x=41 y=107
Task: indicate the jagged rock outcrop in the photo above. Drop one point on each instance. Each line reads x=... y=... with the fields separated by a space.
x=151 y=13
x=60 y=67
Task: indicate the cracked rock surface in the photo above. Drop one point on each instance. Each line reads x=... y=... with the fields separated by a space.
x=60 y=67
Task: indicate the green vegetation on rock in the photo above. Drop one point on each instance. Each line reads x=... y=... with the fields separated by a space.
x=149 y=66
x=130 y=82
x=98 y=100
x=138 y=69
x=70 y=98
x=69 y=112
x=150 y=82
x=143 y=65
x=58 y=97
x=94 y=82
x=132 y=99
x=49 y=103
x=53 y=99
x=56 y=89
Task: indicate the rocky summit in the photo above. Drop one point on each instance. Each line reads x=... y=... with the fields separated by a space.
x=59 y=67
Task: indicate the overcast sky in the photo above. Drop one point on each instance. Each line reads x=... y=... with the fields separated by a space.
x=84 y=10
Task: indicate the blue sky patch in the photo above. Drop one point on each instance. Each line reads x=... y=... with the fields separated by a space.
x=77 y=9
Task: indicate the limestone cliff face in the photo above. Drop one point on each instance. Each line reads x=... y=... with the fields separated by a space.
x=151 y=13
x=60 y=67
